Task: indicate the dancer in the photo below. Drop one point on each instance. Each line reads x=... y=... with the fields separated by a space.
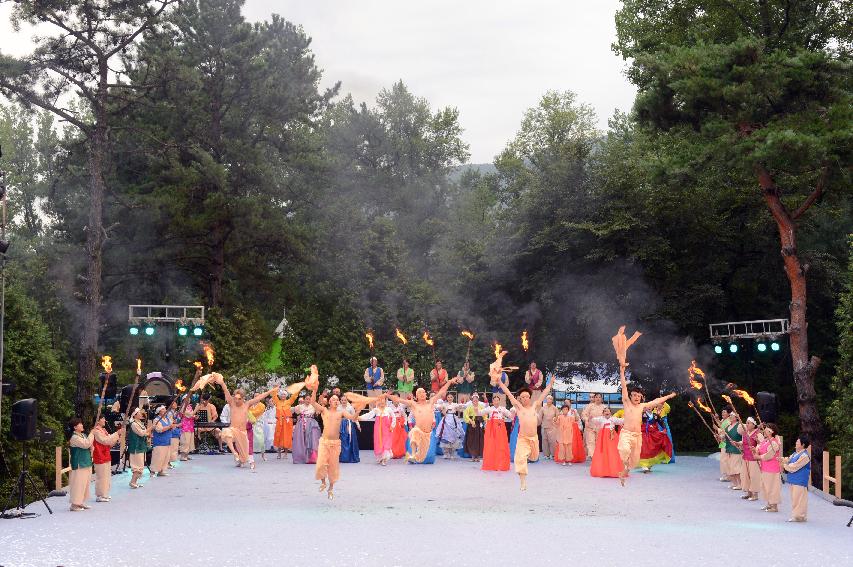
x=466 y=383
x=175 y=441
x=186 y=444
x=255 y=432
x=548 y=419
x=423 y=410
x=496 y=443
x=437 y=377
x=137 y=445
x=606 y=461
x=405 y=379
x=401 y=432
x=240 y=418
x=592 y=410
x=528 y=440
x=750 y=472
x=474 y=432
x=306 y=434
x=631 y=436
x=569 y=448
x=350 y=452
x=384 y=423
x=374 y=378
x=328 y=467
x=533 y=378
x=81 y=465
x=771 y=470
x=450 y=432
x=102 y=443
x=162 y=434
x=799 y=468
x=723 y=424
x=657 y=446
x=734 y=459
x=283 y=438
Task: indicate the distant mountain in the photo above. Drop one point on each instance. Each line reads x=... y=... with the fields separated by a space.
x=481 y=168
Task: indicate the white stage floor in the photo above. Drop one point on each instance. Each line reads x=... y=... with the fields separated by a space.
x=210 y=513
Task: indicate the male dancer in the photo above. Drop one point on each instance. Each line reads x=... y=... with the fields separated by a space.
x=423 y=410
x=240 y=417
x=631 y=435
x=527 y=445
x=329 y=452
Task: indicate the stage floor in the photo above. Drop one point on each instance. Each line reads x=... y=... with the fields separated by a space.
x=210 y=513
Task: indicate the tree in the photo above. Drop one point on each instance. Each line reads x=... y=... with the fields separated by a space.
x=842 y=384
x=761 y=88
x=85 y=57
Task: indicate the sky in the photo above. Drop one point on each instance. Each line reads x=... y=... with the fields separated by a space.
x=490 y=59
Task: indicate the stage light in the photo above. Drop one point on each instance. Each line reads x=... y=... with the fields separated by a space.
x=761 y=347
x=149 y=330
x=718 y=349
x=775 y=347
x=134 y=331
x=183 y=331
x=198 y=331
x=733 y=348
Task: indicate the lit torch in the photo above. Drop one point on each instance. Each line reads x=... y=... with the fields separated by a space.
x=107 y=363
x=525 y=344
x=701 y=417
x=369 y=336
x=401 y=336
x=694 y=371
x=138 y=366
x=208 y=353
x=470 y=336
x=179 y=385
x=498 y=349
x=429 y=341
x=744 y=395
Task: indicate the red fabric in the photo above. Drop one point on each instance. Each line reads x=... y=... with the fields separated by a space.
x=655 y=442
x=437 y=379
x=100 y=453
x=398 y=441
x=496 y=447
x=578 y=449
x=605 y=459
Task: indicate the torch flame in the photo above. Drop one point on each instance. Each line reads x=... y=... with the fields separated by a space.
x=401 y=336
x=179 y=386
x=369 y=336
x=468 y=335
x=745 y=395
x=208 y=353
x=107 y=363
x=703 y=406
x=498 y=349
x=138 y=365
x=696 y=384
x=524 y=343
x=198 y=364
x=728 y=399
x=428 y=339
x=694 y=370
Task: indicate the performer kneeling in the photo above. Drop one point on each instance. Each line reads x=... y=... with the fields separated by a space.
x=103 y=442
x=328 y=467
x=240 y=418
x=423 y=410
x=81 y=465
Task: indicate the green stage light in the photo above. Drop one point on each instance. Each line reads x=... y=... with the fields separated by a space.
x=761 y=347
x=775 y=347
x=149 y=330
x=183 y=331
x=134 y=331
x=733 y=348
x=198 y=331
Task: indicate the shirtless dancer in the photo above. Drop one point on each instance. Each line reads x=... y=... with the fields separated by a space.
x=423 y=410
x=239 y=417
x=631 y=436
x=527 y=446
x=328 y=454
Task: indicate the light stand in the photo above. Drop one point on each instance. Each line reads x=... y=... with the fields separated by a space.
x=20 y=492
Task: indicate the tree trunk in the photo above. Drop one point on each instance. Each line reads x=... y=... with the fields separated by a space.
x=217 y=264
x=804 y=367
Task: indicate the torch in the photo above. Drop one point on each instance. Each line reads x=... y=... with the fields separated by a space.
x=107 y=364
x=369 y=336
x=744 y=395
x=430 y=342
x=470 y=336
x=525 y=344
x=209 y=354
x=128 y=409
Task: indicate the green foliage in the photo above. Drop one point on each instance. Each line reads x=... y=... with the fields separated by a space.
x=842 y=383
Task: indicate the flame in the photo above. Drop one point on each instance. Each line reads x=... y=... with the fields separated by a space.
x=703 y=406
x=198 y=364
x=728 y=399
x=696 y=384
x=208 y=353
x=498 y=349
x=139 y=366
x=107 y=363
x=369 y=336
x=524 y=343
x=401 y=336
x=693 y=370
x=731 y=386
x=745 y=395
x=468 y=335
x=179 y=386
x=428 y=339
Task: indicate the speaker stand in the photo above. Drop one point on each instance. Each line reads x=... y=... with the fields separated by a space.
x=20 y=492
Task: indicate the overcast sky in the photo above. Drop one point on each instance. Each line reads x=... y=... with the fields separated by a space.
x=490 y=59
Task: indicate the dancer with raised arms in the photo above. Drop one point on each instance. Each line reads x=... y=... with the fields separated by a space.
x=423 y=410
x=527 y=446
x=240 y=417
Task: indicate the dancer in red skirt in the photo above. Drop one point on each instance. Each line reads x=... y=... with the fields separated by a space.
x=496 y=444
x=605 y=459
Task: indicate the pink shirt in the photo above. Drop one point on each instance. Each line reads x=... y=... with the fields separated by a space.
x=771 y=466
x=188 y=423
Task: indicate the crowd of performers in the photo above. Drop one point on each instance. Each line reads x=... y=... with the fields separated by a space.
x=751 y=460
x=322 y=429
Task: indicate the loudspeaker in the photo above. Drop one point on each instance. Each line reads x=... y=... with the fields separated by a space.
x=110 y=392
x=24 y=415
x=125 y=401
x=765 y=404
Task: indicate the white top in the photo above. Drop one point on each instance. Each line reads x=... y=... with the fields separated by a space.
x=603 y=422
x=498 y=413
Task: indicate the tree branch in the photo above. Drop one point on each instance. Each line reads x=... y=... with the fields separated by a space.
x=130 y=39
x=814 y=196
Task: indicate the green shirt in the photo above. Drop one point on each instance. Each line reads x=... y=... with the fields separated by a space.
x=408 y=385
x=80 y=458
x=465 y=387
x=735 y=436
x=724 y=425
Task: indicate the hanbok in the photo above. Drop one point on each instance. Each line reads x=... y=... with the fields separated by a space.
x=306 y=437
x=450 y=432
x=349 y=442
x=605 y=459
x=657 y=447
x=496 y=444
x=400 y=434
x=384 y=423
x=283 y=438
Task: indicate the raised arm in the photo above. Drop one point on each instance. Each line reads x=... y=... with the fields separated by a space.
x=625 y=398
x=260 y=397
x=658 y=401
x=225 y=391
x=399 y=400
x=546 y=391
x=506 y=391
x=443 y=390
x=313 y=400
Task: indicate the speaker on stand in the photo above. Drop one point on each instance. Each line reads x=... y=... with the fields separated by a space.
x=24 y=417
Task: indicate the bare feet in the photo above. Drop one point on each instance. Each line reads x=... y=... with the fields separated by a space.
x=322 y=486
x=622 y=476
x=331 y=494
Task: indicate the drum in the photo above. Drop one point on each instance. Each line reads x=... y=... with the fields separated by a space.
x=156 y=386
